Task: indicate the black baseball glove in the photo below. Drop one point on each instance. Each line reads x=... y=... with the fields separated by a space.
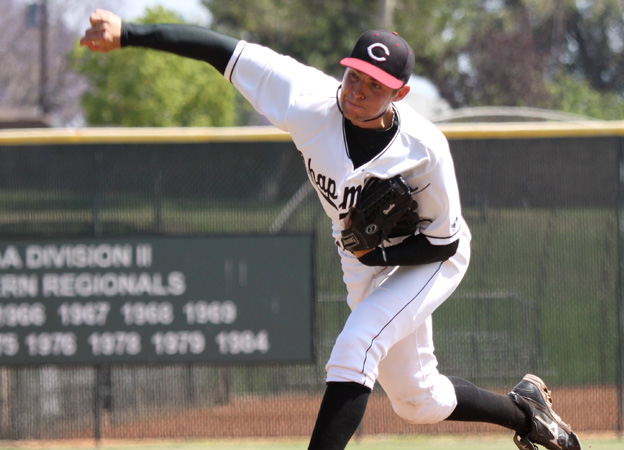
x=385 y=209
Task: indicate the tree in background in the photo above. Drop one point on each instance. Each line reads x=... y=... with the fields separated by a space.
x=477 y=53
x=150 y=88
x=559 y=54
x=595 y=44
x=21 y=56
x=316 y=32
x=589 y=65
x=564 y=54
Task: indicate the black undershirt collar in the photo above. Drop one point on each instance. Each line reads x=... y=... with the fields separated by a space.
x=363 y=144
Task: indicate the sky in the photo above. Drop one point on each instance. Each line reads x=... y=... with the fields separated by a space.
x=190 y=10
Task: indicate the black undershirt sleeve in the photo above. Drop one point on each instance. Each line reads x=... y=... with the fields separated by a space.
x=414 y=250
x=189 y=41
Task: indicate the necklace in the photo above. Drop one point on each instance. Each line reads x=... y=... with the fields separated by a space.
x=391 y=120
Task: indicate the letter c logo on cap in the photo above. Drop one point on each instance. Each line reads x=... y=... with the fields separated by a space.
x=381 y=46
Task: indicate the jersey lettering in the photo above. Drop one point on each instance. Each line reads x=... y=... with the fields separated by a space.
x=350 y=196
x=327 y=186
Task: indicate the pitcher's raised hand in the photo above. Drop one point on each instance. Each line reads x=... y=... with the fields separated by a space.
x=105 y=32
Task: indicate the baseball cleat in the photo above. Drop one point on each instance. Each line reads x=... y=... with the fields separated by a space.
x=547 y=428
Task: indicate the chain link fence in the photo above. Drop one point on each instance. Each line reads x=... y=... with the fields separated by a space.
x=543 y=293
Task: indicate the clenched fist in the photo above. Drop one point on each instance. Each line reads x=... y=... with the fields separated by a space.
x=105 y=32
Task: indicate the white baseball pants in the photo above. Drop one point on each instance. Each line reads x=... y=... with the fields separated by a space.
x=388 y=335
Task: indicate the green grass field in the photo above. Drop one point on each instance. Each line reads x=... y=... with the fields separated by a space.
x=378 y=443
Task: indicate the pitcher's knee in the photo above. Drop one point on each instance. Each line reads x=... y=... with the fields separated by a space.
x=427 y=405
x=422 y=413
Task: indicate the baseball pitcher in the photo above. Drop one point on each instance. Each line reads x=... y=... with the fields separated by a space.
x=385 y=178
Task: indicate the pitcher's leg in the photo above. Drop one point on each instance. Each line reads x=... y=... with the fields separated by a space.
x=341 y=412
x=479 y=405
x=420 y=394
x=403 y=300
x=394 y=310
x=409 y=375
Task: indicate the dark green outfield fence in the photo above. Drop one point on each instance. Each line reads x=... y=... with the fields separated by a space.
x=544 y=293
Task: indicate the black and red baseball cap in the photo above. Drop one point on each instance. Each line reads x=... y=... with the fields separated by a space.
x=384 y=56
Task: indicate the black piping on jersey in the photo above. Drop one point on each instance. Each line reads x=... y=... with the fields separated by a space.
x=236 y=62
x=418 y=191
x=363 y=372
x=442 y=237
x=338 y=99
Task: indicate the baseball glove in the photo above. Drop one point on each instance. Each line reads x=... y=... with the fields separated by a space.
x=385 y=209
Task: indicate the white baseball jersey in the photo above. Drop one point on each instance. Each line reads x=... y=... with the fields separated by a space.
x=388 y=334
x=303 y=101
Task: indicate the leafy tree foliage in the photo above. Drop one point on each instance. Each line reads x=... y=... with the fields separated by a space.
x=587 y=71
x=523 y=53
x=21 y=59
x=595 y=38
x=477 y=53
x=564 y=54
x=316 y=32
x=579 y=97
x=140 y=87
